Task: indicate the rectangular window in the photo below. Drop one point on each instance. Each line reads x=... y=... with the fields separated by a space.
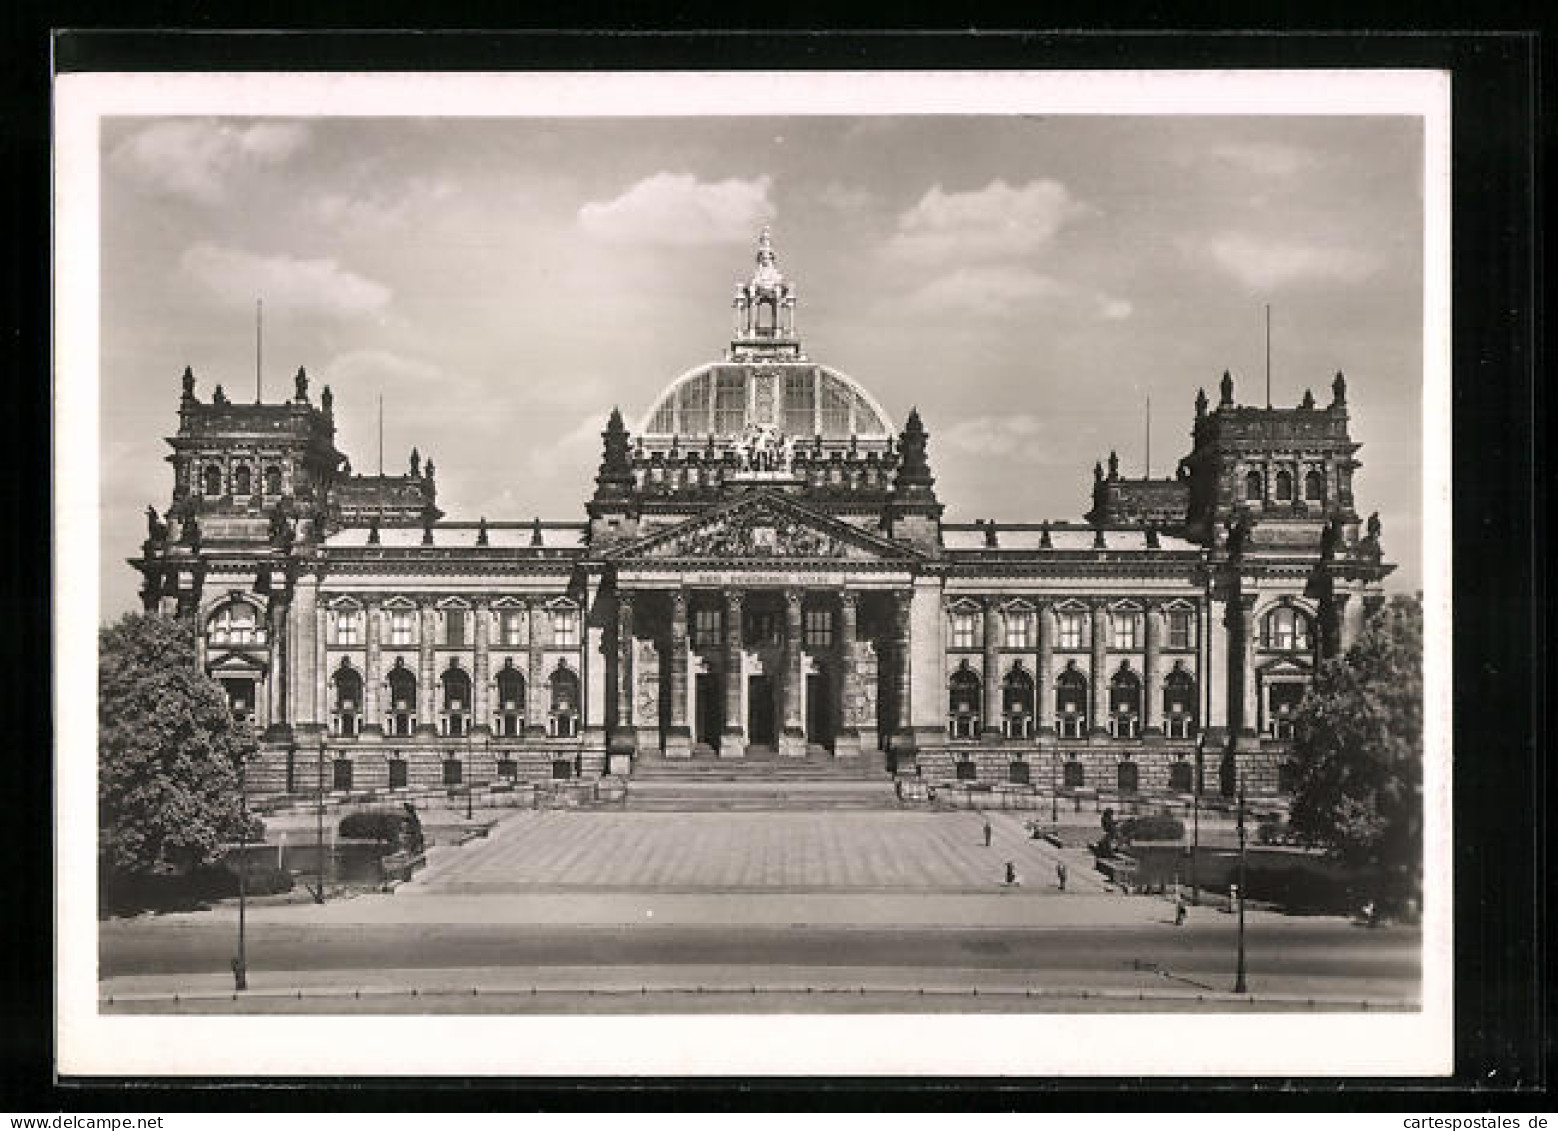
x=346 y=627
x=692 y=402
x=965 y=630
x=799 y=404
x=454 y=628
x=403 y=626
x=764 y=628
x=1127 y=631
x=836 y=403
x=1181 y=629
x=565 y=628
x=705 y=628
x=730 y=403
x=819 y=628
x=1071 y=630
x=511 y=627
x=1019 y=629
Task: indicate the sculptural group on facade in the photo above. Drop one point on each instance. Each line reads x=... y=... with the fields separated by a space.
x=763 y=447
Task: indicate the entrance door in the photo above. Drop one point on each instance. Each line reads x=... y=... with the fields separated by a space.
x=760 y=710
x=819 y=710
x=710 y=715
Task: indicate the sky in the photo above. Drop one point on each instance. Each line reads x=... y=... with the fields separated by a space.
x=1027 y=282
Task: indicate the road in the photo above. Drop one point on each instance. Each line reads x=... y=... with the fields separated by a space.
x=1327 y=959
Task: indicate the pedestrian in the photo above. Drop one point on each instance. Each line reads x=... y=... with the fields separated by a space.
x=898 y=788
x=1060 y=873
x=1179 y=910
x=1011 y=874
x=987 y=832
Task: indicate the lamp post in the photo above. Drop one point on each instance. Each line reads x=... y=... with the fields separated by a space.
x=1239 y=986
x=241 y=963
x=1195 y=808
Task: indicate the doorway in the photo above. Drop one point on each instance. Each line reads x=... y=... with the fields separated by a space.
x=819 y=710
x=710 y=715
x=760 y=710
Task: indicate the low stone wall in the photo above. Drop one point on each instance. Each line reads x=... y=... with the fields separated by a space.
x=1099 y=766
x=279 y=770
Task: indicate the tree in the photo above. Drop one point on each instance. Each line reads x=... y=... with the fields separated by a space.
x=169 y=752
x=1358 y=749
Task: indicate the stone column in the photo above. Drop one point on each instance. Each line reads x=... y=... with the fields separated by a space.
x=991 y=724
x=1216 y=673
x=427 y=677
x=280 y=717
x=481 y=708
x=1100 y=669
x=733 y=740
x=902 y=737
x=846 y=742
x=1152 y=676
x=536 y=697
x=792 y=738
x=373 y=673
x=321 y=665
x=623 y=739
x=1044 y=693
x=1249 y=720
x=678 y=739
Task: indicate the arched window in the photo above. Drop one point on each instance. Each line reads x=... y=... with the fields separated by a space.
x=243 y=481
x=212 y=480
x=348 y=702
x=963 y=705
x=1286 y=629
x=235 y=625
x=273 y=480
x=1125 y=704
x=1254 y=487
x=1179 y=703
x=1017 y=703
x=457 y=702
x=565 y=703
x=511 y=701
x=1127 y=777
x=403 y=700
x=1071 y=703
x=1284 y=487
x=1314 y=487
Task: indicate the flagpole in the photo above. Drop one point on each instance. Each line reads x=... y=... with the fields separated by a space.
x=259 y=346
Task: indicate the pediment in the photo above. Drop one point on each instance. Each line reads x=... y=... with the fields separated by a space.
x=236 y=663
x=764 y=527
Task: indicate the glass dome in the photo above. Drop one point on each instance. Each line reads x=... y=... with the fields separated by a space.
x=801 y=399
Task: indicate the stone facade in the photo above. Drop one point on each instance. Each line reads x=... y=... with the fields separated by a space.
x=764 y=562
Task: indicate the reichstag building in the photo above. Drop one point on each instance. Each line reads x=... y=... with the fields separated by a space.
x=764 y=571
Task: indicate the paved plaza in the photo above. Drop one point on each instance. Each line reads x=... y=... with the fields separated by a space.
x=878 y=851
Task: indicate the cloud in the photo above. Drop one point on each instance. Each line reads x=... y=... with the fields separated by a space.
x=677 y=209
x=200 y=159
x=1263 y=158
x=309 y=286
x=1002 y=290
x=993 y=222
x=1263 y=263
x=993 y=435
x=378 y=210
x=845 y=198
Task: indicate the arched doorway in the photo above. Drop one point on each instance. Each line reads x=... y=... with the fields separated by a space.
x=1017 y=703
x=963 y=703
x=348 y=701
x=403 y=699
x=564 y=713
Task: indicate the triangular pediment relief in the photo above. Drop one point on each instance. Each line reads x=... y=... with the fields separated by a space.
x=764 y=527
x=239 y=663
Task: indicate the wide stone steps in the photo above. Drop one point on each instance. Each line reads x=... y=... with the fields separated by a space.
x=757 y=794
x=865 y=767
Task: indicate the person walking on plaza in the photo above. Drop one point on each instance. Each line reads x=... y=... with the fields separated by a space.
x=1179 y=910
x=1060 y=874
x=1011 y=875
x=987 y=832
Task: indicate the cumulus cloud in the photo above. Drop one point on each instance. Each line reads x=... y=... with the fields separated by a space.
x=1263 y=158
x=309 y=286
x=996 y=221
x=993 y=435
x=677 y=209
x=996 y=290
x=1265 y=262
x=200 y=159
x=845 y=198
x=378 y=209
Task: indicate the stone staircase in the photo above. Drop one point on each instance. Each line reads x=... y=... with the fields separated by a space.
x=761 y=780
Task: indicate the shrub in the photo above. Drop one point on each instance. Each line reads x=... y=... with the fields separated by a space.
x=1158 y=826
x=382 y=825
x=1271 y=831
x=267 y=879
x=1300 y=890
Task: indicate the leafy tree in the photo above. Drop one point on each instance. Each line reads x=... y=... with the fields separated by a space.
x=168 y=752
x=1358 y=749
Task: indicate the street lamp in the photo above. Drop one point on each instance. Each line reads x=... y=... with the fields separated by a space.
x=1239 y=986
x=241 y=963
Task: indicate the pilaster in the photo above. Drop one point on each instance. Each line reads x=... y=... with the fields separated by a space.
x=847 y=741
x=678 y=739
x=1098 y=677
x=1044 y=694
x=733 y=740
x=537 y=705
x=1152 y=675
x=990 y=725
x=792 y=738
x=481 y=708
x=623 y=740
x=427 y=677
x=373 y=673
x=1249 y=686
